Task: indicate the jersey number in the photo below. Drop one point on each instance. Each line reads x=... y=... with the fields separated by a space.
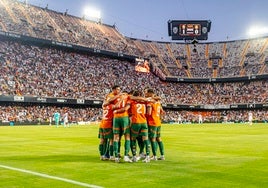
x=140 y=108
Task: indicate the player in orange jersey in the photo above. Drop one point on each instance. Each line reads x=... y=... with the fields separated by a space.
x=106 y=131
x=120 y=121
x=138 y=124
x=108 y=106
x=154 y=110
x=112 y=96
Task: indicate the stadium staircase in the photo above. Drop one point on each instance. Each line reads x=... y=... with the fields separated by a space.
x=3 y=27
x=114 y=32
x=172 y=56
x=243 y=57
x=262 y=69
x=263 y=58
x=53 y=24
x=9 y=11
x=207 y=51
x=139 y=46
x=209 y=63
x=264 y=47
x=214 y=73
x=224 y=50
x=220 y=63
x=188 y=62
x=28 y=19
x=25 y=14
x=242 y=72
x=161 y=60
x=85 y=23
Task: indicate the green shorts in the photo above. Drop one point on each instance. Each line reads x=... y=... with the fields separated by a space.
x=154 y=131
x=121 y=125
x=139 y=129
x=105 y=133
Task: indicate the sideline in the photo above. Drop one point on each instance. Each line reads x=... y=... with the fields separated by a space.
x=50 y=177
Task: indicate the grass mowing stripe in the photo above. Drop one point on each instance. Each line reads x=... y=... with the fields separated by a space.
x=50 y=177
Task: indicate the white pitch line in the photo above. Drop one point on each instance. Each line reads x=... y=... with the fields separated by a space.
x=50 y=177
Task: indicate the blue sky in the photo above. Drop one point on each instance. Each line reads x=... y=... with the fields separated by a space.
x=147 y=19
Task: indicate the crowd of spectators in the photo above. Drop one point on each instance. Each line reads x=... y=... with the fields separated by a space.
x=236 y=58
x=34 y=114
x=44 y=114
x=48 y=72
x=22 y=18
x=35 y=71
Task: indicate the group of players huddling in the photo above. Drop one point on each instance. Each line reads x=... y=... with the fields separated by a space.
x=135 y=117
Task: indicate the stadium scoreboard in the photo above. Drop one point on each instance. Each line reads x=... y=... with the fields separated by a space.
x=189 y=29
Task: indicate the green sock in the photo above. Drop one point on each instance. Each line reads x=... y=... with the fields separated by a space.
x=107 y=147
x=101 y=149
x=104 y=148
x=133 y=147
x=119 y=146
x=141 y=145
x=154 y=146
x=115 y=148
x=127 y=147
x=111 y=150
x=161 y=147
x=147 y=147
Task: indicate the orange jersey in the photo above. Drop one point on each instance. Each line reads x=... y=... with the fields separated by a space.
x=154 y=118
x=121 y=103
x=138 y=112
x=109 y=96
x=107 y=117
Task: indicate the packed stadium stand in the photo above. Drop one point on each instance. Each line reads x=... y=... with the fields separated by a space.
x=55 y=61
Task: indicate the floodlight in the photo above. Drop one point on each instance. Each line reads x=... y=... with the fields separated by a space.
x=257 y=31
x=92 y=13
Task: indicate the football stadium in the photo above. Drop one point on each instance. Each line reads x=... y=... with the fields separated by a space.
x=82 y=105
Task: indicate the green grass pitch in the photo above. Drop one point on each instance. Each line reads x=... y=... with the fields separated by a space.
x=208 y=155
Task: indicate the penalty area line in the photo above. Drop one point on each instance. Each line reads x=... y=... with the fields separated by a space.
x=50 y=177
